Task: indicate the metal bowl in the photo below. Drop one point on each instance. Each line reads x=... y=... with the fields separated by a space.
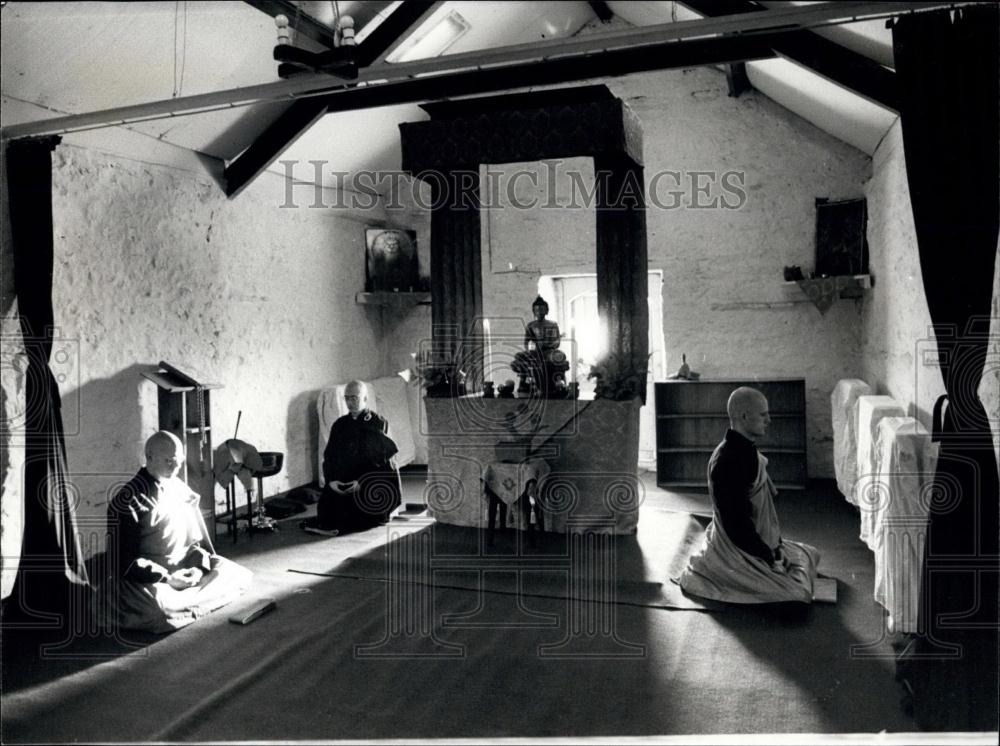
x=271 y=463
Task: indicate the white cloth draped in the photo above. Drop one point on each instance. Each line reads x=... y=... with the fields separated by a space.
x=844 y=417
x=871 y=409
x=894 y=506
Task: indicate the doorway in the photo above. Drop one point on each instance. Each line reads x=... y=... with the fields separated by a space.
x=574 y=308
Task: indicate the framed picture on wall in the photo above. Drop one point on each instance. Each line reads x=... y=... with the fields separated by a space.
x=841 y=241
x=391 y=260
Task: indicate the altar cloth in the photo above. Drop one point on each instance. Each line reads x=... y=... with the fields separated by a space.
x=508 y=481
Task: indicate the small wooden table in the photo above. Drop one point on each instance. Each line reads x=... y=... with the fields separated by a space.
x=506 y=483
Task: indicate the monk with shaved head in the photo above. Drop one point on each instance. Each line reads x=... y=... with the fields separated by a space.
x=164 y=572
x=745 y=559
x=361 y=482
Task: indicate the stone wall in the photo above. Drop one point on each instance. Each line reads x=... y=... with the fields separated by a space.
x=154 y=263
x=897 y=351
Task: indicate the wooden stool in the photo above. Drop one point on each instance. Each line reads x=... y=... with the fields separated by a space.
x=523 y=502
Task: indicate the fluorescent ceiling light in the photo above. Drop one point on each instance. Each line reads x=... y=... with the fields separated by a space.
x=434 y=41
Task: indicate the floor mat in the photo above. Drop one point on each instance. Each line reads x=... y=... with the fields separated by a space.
x=632 y=570
x=352 y=659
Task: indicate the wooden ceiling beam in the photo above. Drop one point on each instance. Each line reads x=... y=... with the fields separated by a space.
x=838 y=64
x=274 y=141
x=577 y=55
x=601 y=10
x=304 y=113
x=303 y=23
x=393 y=31
x=610 y=63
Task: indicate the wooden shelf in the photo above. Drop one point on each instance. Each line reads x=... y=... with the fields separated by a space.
x=393 y=300
x=691 y=420
x=823 y=291
x=865 y=281
x=182 y=402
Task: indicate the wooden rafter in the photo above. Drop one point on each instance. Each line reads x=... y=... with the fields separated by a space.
x=274 y=141
x=302 y=114
x=304 y=23
x=627 y=50
x=836 y=63
x=393 y=31
x=601 y=10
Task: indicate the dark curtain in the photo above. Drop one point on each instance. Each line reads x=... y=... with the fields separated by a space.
x=946 y=66
x=622 y=284
x=51 y=566
x=456 y=274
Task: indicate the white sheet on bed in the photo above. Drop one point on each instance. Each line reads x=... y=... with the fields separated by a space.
x=871 y=409
x=844 y=415
x=896 y=527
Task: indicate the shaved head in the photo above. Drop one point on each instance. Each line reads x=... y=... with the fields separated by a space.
x=162 y=442
x=748 y=413
x=164 y=454
x=740 y=399
x=356 y=397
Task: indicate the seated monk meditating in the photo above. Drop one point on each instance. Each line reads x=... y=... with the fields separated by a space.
x=361 y=484
x=745 y=559
x=164 y=572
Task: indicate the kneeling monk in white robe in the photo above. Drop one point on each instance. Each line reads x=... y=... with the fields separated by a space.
x=164 y=572
x=745 y=559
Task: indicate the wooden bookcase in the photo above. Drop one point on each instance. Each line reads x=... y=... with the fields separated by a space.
x=181 y=413
x=691 y=421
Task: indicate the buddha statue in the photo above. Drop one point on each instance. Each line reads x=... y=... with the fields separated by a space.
x=541 y=366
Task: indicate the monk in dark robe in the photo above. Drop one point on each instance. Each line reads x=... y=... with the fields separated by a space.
x=746 y=560
x=164 y=572
x=361 y=482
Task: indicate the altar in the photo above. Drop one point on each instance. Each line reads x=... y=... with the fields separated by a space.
x=590 y=448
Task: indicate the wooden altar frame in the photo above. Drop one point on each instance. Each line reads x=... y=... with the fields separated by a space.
x=564 y=123
x=447 y=152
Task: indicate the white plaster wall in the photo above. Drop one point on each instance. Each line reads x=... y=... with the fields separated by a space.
x=537 y=223
x=898 y=353
x=154 y=263
x=404 y=328
x=725 y=303
x=896 y=319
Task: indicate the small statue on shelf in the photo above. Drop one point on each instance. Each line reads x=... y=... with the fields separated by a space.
x=541 y=365
x=684 y=373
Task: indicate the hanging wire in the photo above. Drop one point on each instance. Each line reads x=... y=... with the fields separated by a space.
x=180 y=49
x=176 y=8
x=180 y=81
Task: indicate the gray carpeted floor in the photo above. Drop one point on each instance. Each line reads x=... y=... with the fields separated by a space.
x=437 y=637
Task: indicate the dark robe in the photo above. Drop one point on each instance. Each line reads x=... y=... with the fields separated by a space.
x=155 y=527
x=733 y=473
x=359 y=449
